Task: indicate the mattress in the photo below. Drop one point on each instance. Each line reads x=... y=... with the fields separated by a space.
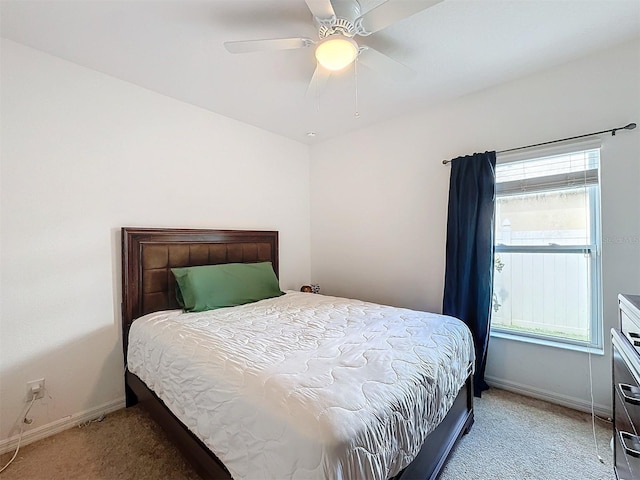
x=305 y=386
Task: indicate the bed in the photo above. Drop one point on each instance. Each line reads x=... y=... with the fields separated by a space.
x=149 y=295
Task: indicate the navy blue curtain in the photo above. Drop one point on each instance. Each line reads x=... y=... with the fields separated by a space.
x=468 y=283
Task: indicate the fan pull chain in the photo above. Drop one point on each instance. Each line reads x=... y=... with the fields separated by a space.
x=317 y=93
x=355 y=70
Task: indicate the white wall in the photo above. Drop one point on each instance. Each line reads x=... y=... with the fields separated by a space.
x=379 y=203
x=82 y=155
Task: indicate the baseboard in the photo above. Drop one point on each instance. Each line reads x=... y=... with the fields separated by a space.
x=551 y=397
x=58 y=426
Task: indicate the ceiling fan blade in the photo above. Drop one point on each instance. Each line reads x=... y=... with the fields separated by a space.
x=318 y=82
x=246 y=46
x=321 y=9
x=384 y=65
x=390 y=12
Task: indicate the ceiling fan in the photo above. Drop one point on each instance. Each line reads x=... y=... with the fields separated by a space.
x=338 y=22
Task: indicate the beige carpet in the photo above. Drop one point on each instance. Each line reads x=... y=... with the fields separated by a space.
x=514 y=437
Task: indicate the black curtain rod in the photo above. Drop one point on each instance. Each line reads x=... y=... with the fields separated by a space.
x=613 y=131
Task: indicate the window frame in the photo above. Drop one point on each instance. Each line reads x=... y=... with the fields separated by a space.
x=593 y=250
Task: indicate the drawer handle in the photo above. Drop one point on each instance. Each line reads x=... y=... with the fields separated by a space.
x=624 y=436
x=630 y=393
x=635 y=338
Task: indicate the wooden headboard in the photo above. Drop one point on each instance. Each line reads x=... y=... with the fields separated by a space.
x=148 y=254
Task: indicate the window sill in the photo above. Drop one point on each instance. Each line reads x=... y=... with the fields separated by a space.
x=547 y=343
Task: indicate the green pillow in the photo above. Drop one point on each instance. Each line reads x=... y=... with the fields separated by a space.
x=216 y=286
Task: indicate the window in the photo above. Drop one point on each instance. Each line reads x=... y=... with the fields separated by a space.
x=547 y=237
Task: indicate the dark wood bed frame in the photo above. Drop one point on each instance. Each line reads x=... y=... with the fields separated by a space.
x=148 y=254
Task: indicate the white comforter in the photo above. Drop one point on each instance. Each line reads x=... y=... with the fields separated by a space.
x=305 y=386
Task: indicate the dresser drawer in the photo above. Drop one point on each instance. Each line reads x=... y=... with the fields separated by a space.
x=626 y=360
x=630 y=319
x=623 y=471
x=627 y=444
x=628 y=454
x=627 y=390
x=623 y=420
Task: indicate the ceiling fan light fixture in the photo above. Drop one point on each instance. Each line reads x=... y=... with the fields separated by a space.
x=336 y=52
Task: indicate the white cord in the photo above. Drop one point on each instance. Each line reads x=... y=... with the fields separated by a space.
x=22 y=423
x=593 y=415
x=355 y=73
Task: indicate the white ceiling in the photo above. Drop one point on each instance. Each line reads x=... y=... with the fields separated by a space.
x=176 y=48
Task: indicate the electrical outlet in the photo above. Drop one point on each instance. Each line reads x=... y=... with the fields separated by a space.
x=37 y=387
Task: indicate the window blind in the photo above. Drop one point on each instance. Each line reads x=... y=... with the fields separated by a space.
x=555 y=172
